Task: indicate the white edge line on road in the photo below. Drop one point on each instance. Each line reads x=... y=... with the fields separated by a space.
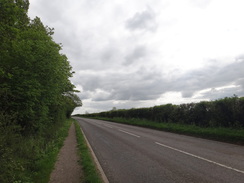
x=99 y=167
x=201 y=158
x=129 y=133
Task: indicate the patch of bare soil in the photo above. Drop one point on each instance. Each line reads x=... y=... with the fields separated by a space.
x=67 y=168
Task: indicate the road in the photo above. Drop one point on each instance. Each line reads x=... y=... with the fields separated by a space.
x=130 y=154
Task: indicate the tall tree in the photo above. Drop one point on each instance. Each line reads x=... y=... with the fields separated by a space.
x=34 y=75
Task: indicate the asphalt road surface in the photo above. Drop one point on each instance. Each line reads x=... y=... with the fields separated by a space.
x=130 y=154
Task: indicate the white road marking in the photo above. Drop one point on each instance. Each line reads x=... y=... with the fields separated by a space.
x=98 y=165
x=201 y=158
x=107 y=126
x=129 y=133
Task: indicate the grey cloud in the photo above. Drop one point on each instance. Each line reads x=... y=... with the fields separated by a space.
x=142 y=84
x=240 y=82
x=229 y=74
x=150 y=84
x=112 y=52
x=214 y=94
x=137 y=53
x=187 y=94
x=145 y=20
x=90 y=82
x=107 y=55
x=211 y=77
x=84 y=95
x=240 y=58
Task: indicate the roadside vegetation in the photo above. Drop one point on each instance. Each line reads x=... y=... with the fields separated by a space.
x=221 y=134
x=36 y=95
x=91 y=174
x=221 y=119
x=45 y=163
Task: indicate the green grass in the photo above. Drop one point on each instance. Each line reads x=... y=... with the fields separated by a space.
x=30 y=158
x=235 y=136
x=91 y=174
x=45 y=164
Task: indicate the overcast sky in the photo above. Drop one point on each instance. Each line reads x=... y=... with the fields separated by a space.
x=141 y=53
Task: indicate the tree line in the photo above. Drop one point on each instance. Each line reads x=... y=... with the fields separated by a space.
x=35 y=91
x=227 y=112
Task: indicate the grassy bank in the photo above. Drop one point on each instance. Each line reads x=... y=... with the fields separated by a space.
x=221 y=134
x=45 y=163
x=31 y=159
x=91 y=174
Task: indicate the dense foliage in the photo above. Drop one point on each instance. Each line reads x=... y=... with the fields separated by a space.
x=36 y=95
x=227 y=112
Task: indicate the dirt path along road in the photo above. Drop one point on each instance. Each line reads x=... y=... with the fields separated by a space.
x=67 y=168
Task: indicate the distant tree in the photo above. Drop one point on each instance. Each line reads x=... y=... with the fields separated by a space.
x=227 y=112
x=114 y=109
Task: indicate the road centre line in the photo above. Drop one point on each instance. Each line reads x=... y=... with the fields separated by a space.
x=129 y=133
x=201 y=158
x=108 y=126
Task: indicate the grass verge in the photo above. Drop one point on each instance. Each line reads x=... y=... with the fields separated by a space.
x=235 y=136
x=45 y=164
x=91 y=174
